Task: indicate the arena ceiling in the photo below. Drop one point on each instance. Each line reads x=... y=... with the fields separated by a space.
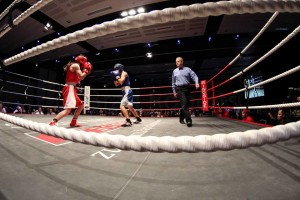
x=207 y=44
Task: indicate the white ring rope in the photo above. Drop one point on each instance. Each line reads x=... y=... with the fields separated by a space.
x=248 y=46
x=290 y=36
x=45 y=89
x=36 y=105
x=283 y=105
x=200 y=143
x=285 y=40
x=291 y=71
x=159 y=17
x=256 y=37
x=33 y=78
x=32 y=105
x=32 y=95
x=7 y=9
x=26 y=14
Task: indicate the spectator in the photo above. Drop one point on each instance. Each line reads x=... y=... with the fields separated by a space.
x=51 y=112
x=18 y=109
x=2 y=108
x=246 y=116
x=281 y=118
x=39 y=111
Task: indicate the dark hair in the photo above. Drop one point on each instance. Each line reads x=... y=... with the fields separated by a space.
x=282 y=110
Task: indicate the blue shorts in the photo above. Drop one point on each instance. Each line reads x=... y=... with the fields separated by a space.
x=127 y=97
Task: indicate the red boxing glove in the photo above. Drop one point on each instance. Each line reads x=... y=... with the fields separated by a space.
x=87 y=68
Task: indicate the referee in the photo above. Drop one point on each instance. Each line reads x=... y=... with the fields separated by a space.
x=181 y=78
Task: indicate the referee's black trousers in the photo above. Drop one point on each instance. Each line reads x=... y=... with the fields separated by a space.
x=184 y=95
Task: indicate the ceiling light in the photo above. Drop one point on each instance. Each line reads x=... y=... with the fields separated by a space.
x=149 y=55
x=48 y=26
x=132 y=12
x=141 y=10
x=124 y=13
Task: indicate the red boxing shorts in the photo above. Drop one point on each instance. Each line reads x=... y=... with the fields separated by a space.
x=71 y=99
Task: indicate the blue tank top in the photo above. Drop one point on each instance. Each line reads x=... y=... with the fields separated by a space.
x=126 y=82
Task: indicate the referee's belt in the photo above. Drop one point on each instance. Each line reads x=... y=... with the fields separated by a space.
x=182 y=86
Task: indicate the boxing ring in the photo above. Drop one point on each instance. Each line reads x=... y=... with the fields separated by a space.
x=102 y=160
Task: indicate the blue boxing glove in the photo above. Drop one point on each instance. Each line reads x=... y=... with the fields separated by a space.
x=115 y=75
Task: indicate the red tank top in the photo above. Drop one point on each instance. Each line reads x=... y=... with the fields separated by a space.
x=71 y=76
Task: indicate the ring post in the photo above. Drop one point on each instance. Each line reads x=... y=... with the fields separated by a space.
x=87 y=93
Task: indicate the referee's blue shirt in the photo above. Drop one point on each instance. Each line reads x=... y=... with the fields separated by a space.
x=182 y=77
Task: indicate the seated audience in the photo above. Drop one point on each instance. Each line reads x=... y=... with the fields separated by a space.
x=18 y=110
x=246 y=116
x=2 y=108
x=51 y=112
x=39 y=111
x=280 y=119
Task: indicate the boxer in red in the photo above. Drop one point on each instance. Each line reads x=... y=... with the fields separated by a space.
x=75 y=72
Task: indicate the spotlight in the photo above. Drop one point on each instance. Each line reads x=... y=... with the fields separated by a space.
x=132 y=12
x=209 y=38
x=124 y=13
x=141 y=10
x=149 y=55
x=178 y=42
x=48 y=26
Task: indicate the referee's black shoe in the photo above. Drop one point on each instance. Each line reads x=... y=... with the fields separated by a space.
x=189 y=123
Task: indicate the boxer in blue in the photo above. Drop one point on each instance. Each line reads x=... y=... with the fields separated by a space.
x=121 y=79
